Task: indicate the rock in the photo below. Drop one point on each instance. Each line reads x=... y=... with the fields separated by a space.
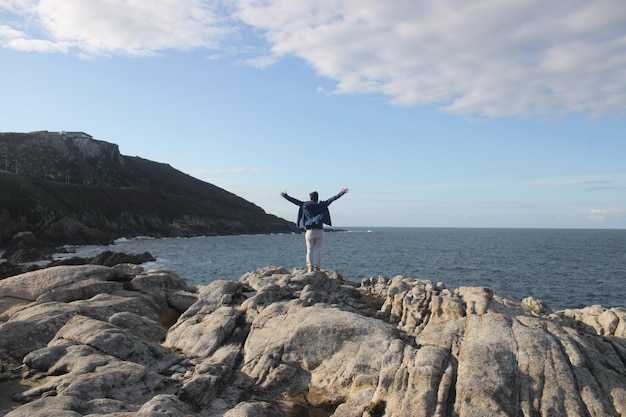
x=55 y=406
x=166 y=406
x=537 y=306
x=68 y=228
x=158 y=279
x=290 y=343
x=210 y=376
x=8 y=269
x=25 y=247
x=596 y=319
x=124 y=264
x=31 y=285
x=91 y=360
x=204 y=333
x=320 y=353
x=41 y=302
x=112 y=340
x=32 y=328
x=181 y=300
x=127 y=270
x=165 y=287
x=255 y=409
x=139 y=326
x=43 y=359
x=107 y=258
x=25 y=255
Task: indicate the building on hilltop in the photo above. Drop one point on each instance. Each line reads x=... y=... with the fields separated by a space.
x=76 y=135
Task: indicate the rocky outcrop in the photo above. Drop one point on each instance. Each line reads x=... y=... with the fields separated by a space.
x=113 y=341
x=8 y=269
x=26 y=248
x=107 y=258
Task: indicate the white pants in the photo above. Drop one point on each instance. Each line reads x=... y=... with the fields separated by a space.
x=314 y=240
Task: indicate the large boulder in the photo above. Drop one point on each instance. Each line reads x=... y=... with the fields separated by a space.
x=207 y=323
x=321 y=354
x=24 y=247
x=44 y=282
x=8 y=269
x=108 y=258
x=35 y=305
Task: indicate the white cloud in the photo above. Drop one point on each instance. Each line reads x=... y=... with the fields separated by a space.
x=7 y=32
x=590 y=182
x=133 y=27
x=486 y=57
x=606 y=214
x=36 y=45
x=493 y=58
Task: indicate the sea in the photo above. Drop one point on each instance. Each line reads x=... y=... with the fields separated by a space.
x=565 y=268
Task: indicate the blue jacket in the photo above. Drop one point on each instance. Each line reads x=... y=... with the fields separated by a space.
x=313 y=215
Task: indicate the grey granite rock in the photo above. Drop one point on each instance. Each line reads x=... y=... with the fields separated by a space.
x=280 y=343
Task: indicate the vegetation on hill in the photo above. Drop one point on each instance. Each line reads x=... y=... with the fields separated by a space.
x=70 y=188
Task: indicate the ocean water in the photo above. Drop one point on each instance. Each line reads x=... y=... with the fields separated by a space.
x=566 y=268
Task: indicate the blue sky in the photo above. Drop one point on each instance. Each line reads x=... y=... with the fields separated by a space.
x=444 y=114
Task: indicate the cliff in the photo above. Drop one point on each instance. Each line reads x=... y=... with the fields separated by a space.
x=112 y=341
x=70 y=188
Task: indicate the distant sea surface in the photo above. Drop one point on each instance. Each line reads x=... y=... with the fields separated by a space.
x=566 y=268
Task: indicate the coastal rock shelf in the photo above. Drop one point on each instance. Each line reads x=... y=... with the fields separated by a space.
x=124 y=341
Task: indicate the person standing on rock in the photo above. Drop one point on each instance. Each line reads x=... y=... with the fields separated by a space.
x=312 y=216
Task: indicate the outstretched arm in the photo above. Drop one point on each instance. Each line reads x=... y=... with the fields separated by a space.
x=291 y=199
x=333 y=198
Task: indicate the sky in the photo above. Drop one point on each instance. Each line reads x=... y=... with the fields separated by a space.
x=451 y=113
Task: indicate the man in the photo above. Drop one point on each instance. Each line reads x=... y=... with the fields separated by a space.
x=312 y=216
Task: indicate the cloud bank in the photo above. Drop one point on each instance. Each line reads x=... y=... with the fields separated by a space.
x=481 y=57
x=104 y=27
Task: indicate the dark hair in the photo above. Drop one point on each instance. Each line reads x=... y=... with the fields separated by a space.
x=314 y=196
